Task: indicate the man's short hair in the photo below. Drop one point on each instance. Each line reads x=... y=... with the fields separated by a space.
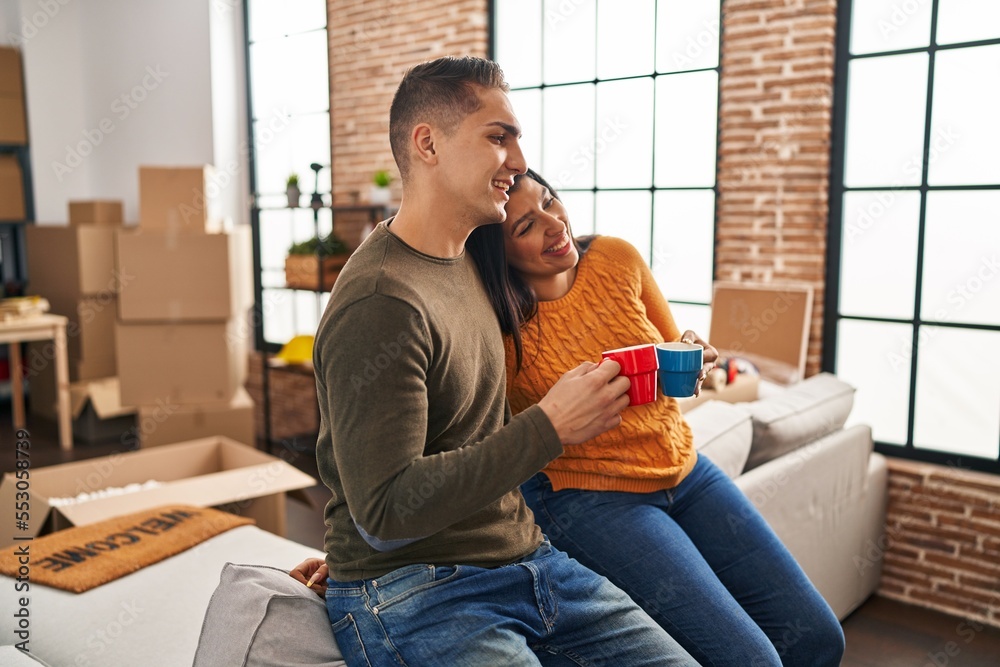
x=441 y=92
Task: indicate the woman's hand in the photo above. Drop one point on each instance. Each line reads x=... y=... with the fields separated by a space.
x=709 y=356
x=312 y=572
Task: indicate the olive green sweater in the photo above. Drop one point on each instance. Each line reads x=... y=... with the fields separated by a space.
x=416 y=440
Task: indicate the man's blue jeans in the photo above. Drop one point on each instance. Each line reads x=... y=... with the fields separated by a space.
x=546 y=609
x=701 y=560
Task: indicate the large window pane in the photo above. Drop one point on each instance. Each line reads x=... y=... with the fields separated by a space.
x=568 y=136
x=886 y=98
x=290 y=145
x=528 y=109
x=290 y=74
x=625 y=38
x=965 y=132
x=958 y=392
x=683 y=243
x=961 y=280
x=689 y=316
x=275 y=19
x=519 y=41
x=627 y=216
x=580 y=207
x=890 y=25
x=875 y=358
x=874 y=221
x=687 y=35
x=569 y=40
x=624 y=140
x=686 y=129
x=967 y=20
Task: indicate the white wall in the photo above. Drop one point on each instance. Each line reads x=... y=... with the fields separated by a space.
x=114 y=84
x=10 y=20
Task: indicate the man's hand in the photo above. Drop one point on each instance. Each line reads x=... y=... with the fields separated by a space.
x=312 y=572
x=709 y=357
x=586 y=401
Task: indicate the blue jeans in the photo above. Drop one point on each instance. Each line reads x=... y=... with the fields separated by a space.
x=545 y=609
x=701 y=560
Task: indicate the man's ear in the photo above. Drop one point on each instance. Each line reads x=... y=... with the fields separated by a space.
x=423 y=138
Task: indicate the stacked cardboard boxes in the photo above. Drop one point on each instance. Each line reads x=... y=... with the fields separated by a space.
x=13 y=131
x=73 y=268
x=181 y=336
x=13 y=124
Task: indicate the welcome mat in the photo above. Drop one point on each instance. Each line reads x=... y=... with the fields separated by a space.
x=81 y=558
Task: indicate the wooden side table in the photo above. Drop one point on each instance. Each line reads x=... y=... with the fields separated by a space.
x=40 y=327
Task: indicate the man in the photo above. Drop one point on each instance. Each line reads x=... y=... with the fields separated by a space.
x=433 y=556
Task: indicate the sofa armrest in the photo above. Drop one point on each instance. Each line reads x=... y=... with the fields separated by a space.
x=827 y=501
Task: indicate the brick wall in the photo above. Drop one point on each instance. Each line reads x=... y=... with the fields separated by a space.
x=942 y=543
x=774 y=152
x=372 y=43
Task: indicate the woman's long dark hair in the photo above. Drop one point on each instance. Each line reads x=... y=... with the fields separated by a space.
x=513 y=300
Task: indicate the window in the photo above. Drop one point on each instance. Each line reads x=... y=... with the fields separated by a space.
x=290 y=116
x=620 y=112
x=913 y=307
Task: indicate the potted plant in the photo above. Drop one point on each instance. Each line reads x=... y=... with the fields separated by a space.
x=292 y=190
x=302 y=265
x=380 y=193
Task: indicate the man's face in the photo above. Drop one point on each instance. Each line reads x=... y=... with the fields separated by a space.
x=481 y=157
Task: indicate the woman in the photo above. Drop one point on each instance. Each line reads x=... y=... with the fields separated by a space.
x=637 y=504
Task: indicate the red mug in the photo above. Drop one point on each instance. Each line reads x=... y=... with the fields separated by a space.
x=639 y=366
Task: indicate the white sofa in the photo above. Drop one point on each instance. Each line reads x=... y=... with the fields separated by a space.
x=823 y=491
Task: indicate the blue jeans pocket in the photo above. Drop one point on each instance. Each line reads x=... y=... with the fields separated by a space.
x=426 y=578
x=349 y=640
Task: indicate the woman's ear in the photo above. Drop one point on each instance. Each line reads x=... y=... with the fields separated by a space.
x=423 y=142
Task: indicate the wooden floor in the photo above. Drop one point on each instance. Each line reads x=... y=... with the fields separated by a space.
x=881 y=633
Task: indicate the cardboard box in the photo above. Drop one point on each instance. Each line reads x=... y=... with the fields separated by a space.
x=191 y=362
x=166 y=423
x=42 y=377
x=766 y=324
x=741 y=390
x=98 y=414
x=97 y=212
x=181 y=276
x=90 y=336
x=178 y=198
x=13 y=124
x=67 y=263
x=11 y=189
x=209 y=472
x=11 y=76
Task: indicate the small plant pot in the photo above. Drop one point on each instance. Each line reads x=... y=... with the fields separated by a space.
x=379 y=196
x=293 y=197
x=302 y=271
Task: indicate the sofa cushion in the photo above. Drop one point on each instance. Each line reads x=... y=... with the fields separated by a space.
x=260 y=616
x=792 y=418
x=723 y=433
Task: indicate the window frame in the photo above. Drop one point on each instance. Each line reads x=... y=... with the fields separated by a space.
x=832 y=315
x=653 y=188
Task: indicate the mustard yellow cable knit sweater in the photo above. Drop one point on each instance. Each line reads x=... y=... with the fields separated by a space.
x=614 y=302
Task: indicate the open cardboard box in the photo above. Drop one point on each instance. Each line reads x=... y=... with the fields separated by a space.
x=97 y=410
x=210 y=472
x=766 y=324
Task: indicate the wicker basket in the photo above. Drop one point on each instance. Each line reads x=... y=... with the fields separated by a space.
x=302 y=271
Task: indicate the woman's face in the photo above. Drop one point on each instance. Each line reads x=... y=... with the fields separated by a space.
x=536 y=233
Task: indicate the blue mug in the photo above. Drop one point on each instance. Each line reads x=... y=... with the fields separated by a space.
x=679 y=364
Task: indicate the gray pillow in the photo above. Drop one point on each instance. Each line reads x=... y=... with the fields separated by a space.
x=723 y=433
x=790 y=419
x=259 y=617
